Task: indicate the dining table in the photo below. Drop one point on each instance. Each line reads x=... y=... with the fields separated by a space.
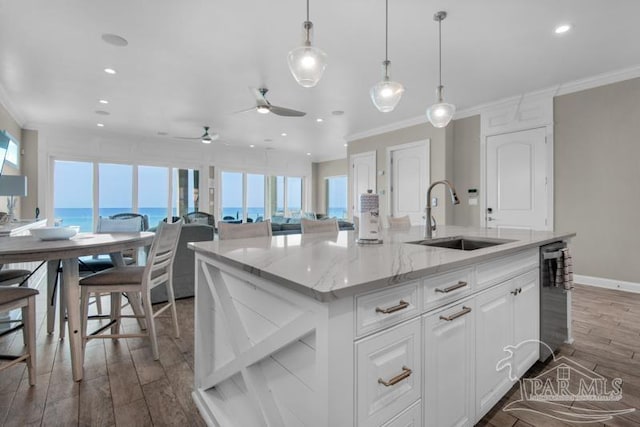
x=14 y=249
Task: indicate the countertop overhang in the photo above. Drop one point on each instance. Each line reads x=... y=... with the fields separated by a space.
x=330 y=266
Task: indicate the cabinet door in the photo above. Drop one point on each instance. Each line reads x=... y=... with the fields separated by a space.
x=526 y=326
x=448 y=366
x=494 y=332
x=388 y=373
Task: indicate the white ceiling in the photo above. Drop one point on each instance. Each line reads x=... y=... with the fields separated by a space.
x=189 y=63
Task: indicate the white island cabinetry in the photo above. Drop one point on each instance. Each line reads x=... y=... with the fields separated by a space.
x=413 y=341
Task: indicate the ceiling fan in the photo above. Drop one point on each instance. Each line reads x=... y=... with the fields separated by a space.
x=264 y=107
x=206 y=137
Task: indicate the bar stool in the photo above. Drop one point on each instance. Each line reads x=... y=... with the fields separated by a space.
x=319 y=226
x=12 y=298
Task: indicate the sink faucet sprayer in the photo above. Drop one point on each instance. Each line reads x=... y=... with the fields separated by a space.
x=428 y=228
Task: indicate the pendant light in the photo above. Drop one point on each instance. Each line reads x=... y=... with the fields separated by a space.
x=440 y=113
x=307 y=63
x=386 y=94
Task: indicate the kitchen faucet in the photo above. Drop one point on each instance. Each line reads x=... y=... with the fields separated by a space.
x=428 y=228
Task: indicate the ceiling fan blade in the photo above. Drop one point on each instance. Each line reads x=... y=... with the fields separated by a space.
x=281 y=111
x=260 y=99
x=186 y=137
x=245 y=111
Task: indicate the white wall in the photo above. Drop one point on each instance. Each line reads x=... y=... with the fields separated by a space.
x=103 y=146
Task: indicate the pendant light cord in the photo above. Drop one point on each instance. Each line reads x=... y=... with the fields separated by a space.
x=307 y=10
x=386 y=31
x=440 y=52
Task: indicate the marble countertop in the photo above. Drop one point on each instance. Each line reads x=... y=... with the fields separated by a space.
x=330 y=266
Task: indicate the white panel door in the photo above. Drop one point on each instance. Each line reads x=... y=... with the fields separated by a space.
x=517 y=180
x=409 y=177
x=363 y=174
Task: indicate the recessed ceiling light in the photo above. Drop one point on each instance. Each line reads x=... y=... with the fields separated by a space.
x=283 y=134
x=319 y=120
x=252 y=146
x=337 y=112
x=308 y=154
x=100 y=125
x=561 y=29
x=102 y=113
x=346 y=145
x=109 y=71
x=103 y=101
x=115 y=40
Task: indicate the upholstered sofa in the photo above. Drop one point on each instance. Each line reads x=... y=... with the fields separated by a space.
x=184 y=263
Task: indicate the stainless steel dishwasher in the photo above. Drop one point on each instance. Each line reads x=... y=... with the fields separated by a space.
x=555 y=301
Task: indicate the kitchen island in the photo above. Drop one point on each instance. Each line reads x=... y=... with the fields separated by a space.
x=318 y=330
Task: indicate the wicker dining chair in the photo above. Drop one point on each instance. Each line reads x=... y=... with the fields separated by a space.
x=228 y=230
x=319 y=226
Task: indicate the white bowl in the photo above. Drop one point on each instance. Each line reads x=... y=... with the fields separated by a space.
x=54 y=233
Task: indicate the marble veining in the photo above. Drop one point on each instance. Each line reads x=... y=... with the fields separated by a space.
x=329 y=266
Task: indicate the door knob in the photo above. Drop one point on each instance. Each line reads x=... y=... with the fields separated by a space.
x=490 y=219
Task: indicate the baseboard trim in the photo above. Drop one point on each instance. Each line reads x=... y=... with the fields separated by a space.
x=607 y=283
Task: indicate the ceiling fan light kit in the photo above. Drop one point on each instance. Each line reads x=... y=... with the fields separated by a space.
x=386 y=94
x=307 y=62
x=440 y=113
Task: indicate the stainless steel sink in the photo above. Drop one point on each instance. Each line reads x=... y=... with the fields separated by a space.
x=461 y=243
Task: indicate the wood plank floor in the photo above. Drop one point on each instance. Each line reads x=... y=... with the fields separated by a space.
x=124 y=386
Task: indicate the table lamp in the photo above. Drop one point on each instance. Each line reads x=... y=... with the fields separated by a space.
x=11 y=186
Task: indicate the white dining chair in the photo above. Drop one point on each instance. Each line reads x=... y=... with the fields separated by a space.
x=399 y=221
x=319 y=226
x=136 y=280
x=227 y=230
x=96 y=263
x=24 y=298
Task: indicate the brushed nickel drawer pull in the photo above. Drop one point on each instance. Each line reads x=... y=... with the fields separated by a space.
x=401 y=306
x=462 y=312
x=406 y=372
x=460 y=284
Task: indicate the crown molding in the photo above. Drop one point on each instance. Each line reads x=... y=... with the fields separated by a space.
x=558 y=90
x=12 y=110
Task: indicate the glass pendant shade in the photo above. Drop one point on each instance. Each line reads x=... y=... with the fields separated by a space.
x=440 y=113
x=386 y=94
x=307 y=63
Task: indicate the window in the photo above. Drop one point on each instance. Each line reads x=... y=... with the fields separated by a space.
x=286 y=196
x=153 y=193
x=9 y=151
x=73 y=194
x=255 y=197
x=185 y=191
x=231 y=197
x=336 y=197
x=115 y=190
x=294 y=196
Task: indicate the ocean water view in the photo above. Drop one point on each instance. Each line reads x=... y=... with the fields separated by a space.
x=83 y=217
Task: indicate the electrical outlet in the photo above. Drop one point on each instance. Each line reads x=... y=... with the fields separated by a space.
x=434 y=202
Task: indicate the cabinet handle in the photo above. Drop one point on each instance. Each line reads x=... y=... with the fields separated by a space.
x=401 y=306
x=406 y=372
x=462 y=312
x=516 y=291
x=458 y=285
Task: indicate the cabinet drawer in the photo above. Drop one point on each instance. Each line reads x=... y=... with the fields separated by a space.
x=412 y=417
x=492 y=272
x=388 y=373
x=385 y=308
x=447 y=287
